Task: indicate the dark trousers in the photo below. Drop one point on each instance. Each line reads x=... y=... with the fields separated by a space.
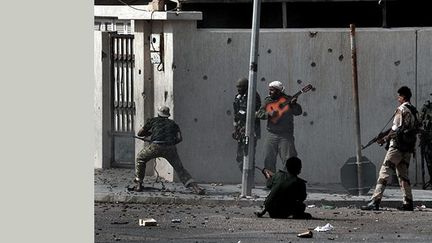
x=241 y=151
x=295 y=209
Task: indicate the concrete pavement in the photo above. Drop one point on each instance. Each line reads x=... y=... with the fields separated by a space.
x=111 y=186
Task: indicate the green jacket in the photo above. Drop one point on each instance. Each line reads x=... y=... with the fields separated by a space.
x=287 y=194
x=161 y=130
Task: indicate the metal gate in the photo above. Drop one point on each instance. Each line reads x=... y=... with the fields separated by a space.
x=123 y=105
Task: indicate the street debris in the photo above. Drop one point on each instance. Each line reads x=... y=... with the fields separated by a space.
x=328 y=207
x=307 y=234
x=147 y=222
x=120 y=222
x=420 y=208
x=175 y=220
x=324 y=228
x=311 y=206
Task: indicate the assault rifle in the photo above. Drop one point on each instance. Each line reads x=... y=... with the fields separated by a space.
x=380 y=136
x=142 y=138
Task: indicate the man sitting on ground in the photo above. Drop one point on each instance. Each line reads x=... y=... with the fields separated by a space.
x=287 y=194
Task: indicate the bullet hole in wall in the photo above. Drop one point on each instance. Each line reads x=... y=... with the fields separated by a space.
x=313 y=88
x=313 y=34
x=205 y=77
x=228 y=112
x=334 y=97
x=139 y=71
x=341 y=57
x=311 y=122
x=305 y=113
x=269 y=51
x=165 y=95
x=195 y=119
x=397 y=63
x=299 y=81
x=313 y=64
x=330 y=50
x=229 y=41
x=263 y=79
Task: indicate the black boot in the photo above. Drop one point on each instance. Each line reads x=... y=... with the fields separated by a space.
x=408 y=206
x=139 y=186
x=259 y=214
x=196 y=189
x=372 y=205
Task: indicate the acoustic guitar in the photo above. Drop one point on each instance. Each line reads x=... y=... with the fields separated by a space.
x=282 y=104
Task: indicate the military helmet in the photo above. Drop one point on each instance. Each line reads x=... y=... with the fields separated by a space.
x=242 y=82
x=164 y=111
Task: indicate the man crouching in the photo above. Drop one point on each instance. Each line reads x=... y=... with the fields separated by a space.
x=287 y=194
x=164 y=134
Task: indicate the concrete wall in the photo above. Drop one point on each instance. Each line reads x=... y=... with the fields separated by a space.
x=102 y=106
x=206 y=63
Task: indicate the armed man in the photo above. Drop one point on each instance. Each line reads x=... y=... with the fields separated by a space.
x=164 y=135
x=401 y=140
x=426 y=141
x=240 y=108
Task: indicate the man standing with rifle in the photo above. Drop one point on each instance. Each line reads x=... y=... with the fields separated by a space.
x=426 y=141
x=401 y=140
x=240 y=107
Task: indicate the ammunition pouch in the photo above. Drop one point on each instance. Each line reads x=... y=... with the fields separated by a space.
x=406 y=140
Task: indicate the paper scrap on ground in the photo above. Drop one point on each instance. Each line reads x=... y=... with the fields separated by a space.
x=147 y=222
x=324 y=228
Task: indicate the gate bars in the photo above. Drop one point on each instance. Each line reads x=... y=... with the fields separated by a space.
x=122 y=74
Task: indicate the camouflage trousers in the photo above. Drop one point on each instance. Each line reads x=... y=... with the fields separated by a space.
x=168 y=152
x=282 y=144
x=241 y=151
x=399 y=162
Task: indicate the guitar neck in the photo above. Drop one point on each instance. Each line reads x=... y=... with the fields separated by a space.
x=297 y=94
x=294 y=96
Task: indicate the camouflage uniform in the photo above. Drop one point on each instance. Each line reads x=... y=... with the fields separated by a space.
x=280 y=137
x=286 y=197
x=163 y=132
x=426 y=139
x=395 y=159
x=240 y=107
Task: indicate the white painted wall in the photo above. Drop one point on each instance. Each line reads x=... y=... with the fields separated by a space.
x=207 y=66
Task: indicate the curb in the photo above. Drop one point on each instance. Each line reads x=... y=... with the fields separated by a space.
x=212 y=201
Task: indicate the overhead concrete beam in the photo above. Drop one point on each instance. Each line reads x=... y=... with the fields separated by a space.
x=144 y=12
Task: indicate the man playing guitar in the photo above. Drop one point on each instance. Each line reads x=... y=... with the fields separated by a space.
x=279 y=110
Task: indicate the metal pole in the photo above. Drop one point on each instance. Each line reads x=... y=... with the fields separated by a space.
x=384 y=14
x=356 y=109
x=249 y=160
